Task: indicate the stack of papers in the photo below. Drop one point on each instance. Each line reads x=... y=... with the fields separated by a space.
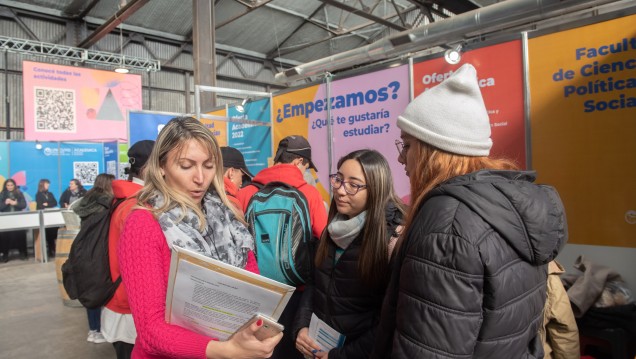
x=215 y=299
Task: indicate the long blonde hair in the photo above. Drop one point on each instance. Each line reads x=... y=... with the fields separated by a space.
x=434 y=166
x=173 y=137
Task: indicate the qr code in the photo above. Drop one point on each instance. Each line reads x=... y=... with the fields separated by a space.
x=111 y=168
x=122 y=170
x=86 y=172
x=54 y=110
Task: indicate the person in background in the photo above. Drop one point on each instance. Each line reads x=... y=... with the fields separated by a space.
x=292 y=159
x=352 y=261
x=74 y=192
x=470 y=272
x=97 y=199
x=183 y=204
x=234 y=173
x=45 y=200
x=12 y=200
x=117 y=323
x=559 y=333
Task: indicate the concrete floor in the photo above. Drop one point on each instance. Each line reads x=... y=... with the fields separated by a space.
x=34 y=323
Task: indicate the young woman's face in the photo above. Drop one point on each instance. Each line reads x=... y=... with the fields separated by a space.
x=72 y=186
x=407 y=157
x=46 y=185
x=10 y=186
x=350 y=205
x=189 y=171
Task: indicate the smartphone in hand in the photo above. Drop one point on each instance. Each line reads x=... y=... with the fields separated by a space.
x=269 y=328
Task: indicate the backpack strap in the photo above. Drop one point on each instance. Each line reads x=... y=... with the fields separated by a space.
x=116 y=203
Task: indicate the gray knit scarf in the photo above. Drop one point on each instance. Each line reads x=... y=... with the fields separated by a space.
x=343 y=231
x=224 y=238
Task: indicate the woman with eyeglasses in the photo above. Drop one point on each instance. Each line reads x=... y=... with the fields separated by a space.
x=352 y=260
x=469 y=273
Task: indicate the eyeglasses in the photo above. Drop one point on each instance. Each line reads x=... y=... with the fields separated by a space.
x=351 y=188
x=401 y=147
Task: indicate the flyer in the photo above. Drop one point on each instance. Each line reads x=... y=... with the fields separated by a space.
x=215 y=299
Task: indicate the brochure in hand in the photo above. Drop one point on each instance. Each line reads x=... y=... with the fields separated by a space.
x=215 y=299
x=325 y=336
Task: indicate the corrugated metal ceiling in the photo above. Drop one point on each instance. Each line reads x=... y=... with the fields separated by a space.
x=287 y=31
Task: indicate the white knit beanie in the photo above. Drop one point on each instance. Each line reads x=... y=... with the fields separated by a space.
x=451 y=116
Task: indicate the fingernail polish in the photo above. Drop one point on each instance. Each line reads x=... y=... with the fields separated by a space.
x=259 y=322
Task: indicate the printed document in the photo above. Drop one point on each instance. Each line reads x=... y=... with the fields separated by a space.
x=215 y=299
x=325 y=336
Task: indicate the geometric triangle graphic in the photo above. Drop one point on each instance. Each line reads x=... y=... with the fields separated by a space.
x=110 y=109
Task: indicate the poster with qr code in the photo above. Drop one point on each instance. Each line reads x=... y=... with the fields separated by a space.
x=86 y=172
x=122 y=170
x=54 y=110
x=111 y=168
x=67 y=103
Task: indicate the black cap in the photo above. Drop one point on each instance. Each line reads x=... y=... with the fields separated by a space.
x=297 y=145
x=139 y=152
x=234 y=158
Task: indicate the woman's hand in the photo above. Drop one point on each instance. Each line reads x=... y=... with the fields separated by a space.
x=307 y=347
x=244 y=345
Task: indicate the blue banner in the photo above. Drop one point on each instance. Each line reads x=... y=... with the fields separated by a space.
x=83 y=161
x=254 y=142
x=4 y=162
x=111 y=158
x=146 y=126
x=29 y=165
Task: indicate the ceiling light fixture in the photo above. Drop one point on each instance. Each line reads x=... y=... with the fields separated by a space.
x=453 y=55
x=122 y=68
x=241 y=108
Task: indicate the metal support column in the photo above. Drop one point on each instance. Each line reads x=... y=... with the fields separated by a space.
x=204 y=49
x=6 y=94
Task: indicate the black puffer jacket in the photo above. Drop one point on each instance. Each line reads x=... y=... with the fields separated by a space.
x=469 y=280
x=339 y=297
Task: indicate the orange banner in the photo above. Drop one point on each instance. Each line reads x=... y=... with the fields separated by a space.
x=218 y=128
x=583 y=122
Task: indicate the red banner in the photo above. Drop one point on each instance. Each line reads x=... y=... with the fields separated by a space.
x=499 y=70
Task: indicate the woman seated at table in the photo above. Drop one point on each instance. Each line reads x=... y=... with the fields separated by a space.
x=12 y=200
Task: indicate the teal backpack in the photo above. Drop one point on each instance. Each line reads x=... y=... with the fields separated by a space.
x=278 y=217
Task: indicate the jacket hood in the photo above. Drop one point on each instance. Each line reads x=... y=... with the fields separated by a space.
x=86 y=206
x=125 y=189
x=530 y=217
x=282 y=172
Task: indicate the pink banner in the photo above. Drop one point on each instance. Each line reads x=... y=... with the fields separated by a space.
x=364 y=113
x=64 y=103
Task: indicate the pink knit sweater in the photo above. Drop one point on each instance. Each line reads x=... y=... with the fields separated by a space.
x=144 y=259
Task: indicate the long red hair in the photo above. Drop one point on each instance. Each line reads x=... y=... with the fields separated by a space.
x=434 y=166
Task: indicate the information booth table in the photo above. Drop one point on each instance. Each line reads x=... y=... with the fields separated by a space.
x=39 y=220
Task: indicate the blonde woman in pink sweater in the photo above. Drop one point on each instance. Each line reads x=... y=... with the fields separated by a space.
x=183 y=204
